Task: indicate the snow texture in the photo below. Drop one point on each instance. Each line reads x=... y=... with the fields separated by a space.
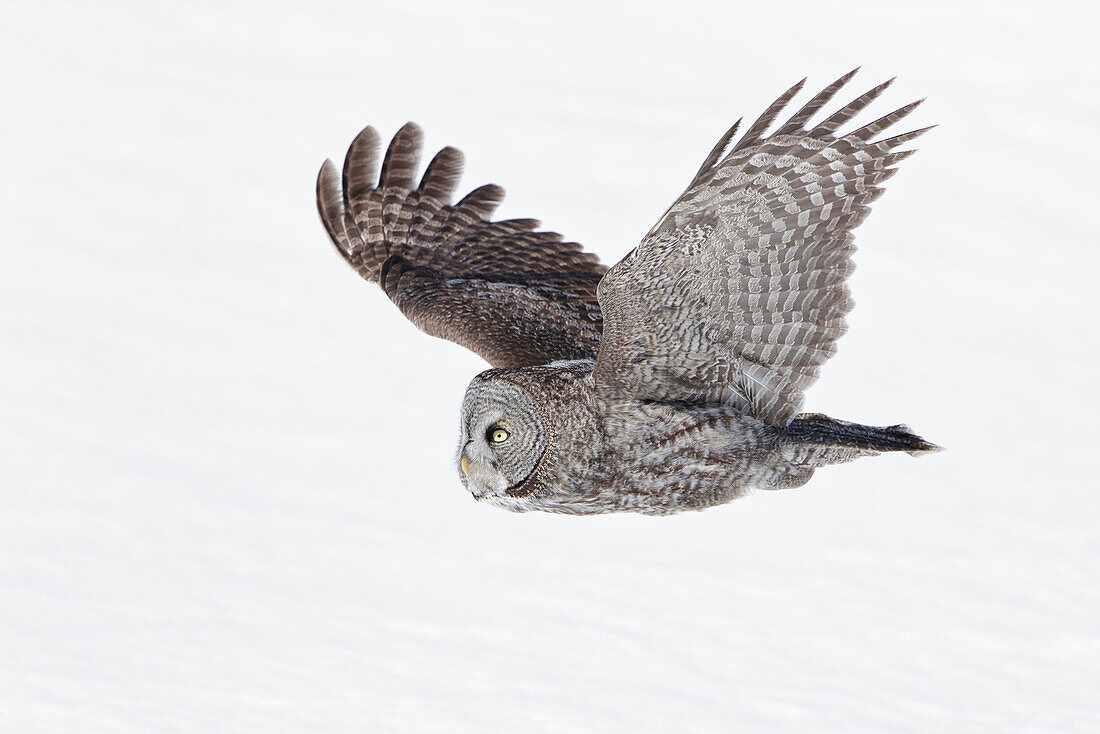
x=227 y=497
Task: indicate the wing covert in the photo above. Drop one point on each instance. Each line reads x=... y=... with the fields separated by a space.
x=509 y=292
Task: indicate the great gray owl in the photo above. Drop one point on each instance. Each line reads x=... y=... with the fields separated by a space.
x=669 y=382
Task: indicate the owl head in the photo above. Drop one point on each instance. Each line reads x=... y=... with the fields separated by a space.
x=504 y=439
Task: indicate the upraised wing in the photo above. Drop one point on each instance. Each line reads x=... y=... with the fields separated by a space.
x=737 y=295
x=512 y=294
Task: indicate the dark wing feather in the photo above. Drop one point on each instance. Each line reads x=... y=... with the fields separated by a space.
x=515 y=295
x=738 y=294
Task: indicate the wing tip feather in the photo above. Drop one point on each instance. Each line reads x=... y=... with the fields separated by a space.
x=402 y=158
x=330 y=203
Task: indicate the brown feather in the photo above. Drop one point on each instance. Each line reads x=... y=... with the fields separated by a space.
x=515 y=295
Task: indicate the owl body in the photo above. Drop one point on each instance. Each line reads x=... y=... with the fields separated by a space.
x=671 y=381
x=571 y=451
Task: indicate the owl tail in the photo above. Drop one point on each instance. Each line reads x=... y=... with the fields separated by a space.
x=813 y=440
x=851 y=440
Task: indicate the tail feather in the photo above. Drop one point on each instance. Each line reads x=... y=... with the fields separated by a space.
x=817 y=429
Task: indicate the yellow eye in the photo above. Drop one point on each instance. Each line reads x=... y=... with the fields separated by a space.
x=498 y=435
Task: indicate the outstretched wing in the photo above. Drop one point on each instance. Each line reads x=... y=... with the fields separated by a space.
x=514 y=295
x=737 y=295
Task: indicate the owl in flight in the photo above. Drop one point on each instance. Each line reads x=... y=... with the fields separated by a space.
x=671 y=381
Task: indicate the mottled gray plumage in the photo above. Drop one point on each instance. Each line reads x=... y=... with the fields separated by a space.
x=673 y=380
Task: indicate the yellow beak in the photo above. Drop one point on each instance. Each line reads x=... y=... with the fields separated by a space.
x=465 y=465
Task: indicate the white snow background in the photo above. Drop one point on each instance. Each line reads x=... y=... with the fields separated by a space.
x=227 y=496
